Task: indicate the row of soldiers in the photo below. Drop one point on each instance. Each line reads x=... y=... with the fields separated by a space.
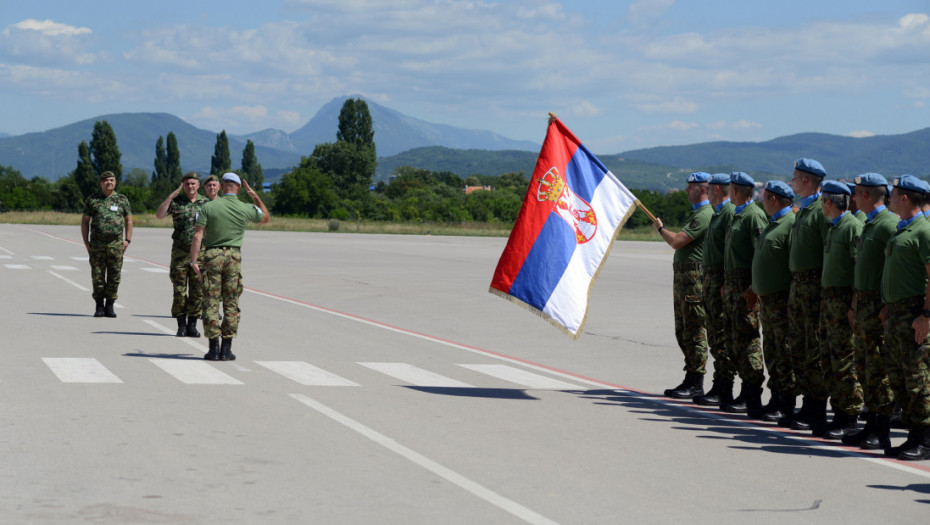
x=839 y=285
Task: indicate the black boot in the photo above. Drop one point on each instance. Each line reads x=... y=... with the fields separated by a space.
x=921 y=451
x=214 y=353
x=182 y=327
x=896 y=420
x=754 y=408
x=108 y=308
x=913 y=439
x=842 y=425
x=192 y=327
x=225 y=352
x=786 y=404
x=855 y=439
x=691 y=387
x=738 y=405
x=816 y=420
x=881 y=438
x=99 y=311
x=712 y=398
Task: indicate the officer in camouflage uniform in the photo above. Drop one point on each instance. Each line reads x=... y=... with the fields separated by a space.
x=107 y=215
x=906 y=293
x=740 y=303
x=687 y=291
x=715 y=321
x=837 y=350
x=880 y=225
x=186 y=304
x=221 y=229
x=771 y=281
x=211 y=187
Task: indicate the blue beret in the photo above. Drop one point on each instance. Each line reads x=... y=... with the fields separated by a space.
x=911 y=183
x=835 y=186
x=779 y=188
x=699 y=176
x=741 y=179
x=871 y=179
x=720 y=178
x=852 y=187
x=232 y=177
x=810 y=166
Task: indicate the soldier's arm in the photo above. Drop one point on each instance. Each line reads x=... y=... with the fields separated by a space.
x=128 y=238
x=162 y=210
x=195 y=250
x=674 y=239
x=257 y=200
x=85 y=230
x=921 y=324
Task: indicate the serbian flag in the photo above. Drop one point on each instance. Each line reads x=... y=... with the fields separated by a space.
x=570 y=216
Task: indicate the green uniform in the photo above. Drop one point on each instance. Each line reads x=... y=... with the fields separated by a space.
x=715 y=319
x=187 y=296
x=687 y=293
x=224 y=220
x=837 y=350
x=107 y=223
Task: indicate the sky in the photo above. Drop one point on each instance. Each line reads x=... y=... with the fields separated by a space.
x=621 y=75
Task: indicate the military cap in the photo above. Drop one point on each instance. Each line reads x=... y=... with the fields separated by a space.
x=810 y=166
x=699 y=176
x=910 y=183
x=232 y=177
x=835 y=186
x=852 y=187
x=779 y=188
x=106 y=175
x=720 y=179
x=190 y=175
x=211 y=177
x=741 y=179
x=871 y=179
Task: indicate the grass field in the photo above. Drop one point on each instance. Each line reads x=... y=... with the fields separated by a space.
x=148 y=220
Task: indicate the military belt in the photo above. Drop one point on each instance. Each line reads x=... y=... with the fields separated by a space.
x=868 y=295
x=686 y=266
x=913 y=305
x=833 y=292
x=233 y=248
x=738 y=274
x=713 y=268
x=807 y=275
x=776 y=297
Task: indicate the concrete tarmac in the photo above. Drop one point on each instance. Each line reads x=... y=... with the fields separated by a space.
x=378 y=381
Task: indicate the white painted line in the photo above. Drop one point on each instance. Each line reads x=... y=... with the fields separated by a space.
x=305 y=373
x=449 y=475
x=43 y=257
x=195 y=372
x=522 y=377
x=7 y=251
x=155 y=270
x=6 y=256
x=85 y=258
x=17 y=266
x=64 y=268
x=69 y=281
x=80 y=370
x=187 y=340
x=415 y=376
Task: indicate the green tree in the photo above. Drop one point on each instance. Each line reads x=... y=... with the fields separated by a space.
x=160 y=175
x=251 y=169
x=66 y=195
x=351 y=160
x=84 y=175
x=355 y=126
x=173 y=162
x=219 y=162
x=305 y=191
x=104 y=152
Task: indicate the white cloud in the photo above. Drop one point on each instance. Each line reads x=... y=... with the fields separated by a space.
x=860 y=134
x=647 y=10
x=675 y=105
x=736 y=125
x=47 y=42
x=585 y=109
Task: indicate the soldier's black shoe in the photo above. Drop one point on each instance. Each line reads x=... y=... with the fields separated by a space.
x=225 y=350
x=788 y=420
x=738 y=405
x=191 y=328
x=754 y=408
x=712 y=397
x=842 y=425
x=921 y=451
x=816 y=420
x=108 y=308
x=99 y=311
x=182 y=327
x=913 y=440
x=214 y=353
x=691 y=387
x=896 y=420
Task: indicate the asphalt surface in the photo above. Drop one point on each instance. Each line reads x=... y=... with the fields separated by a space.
x=378 y=381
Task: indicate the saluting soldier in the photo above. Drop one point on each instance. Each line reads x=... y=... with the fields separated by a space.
x=880 y=225
x=740 y=303
x=837 y=350
x=687 y=290
x=712 y=286
x=771 y=280
x=906 y=293
x=184 y=204
x=107 y=215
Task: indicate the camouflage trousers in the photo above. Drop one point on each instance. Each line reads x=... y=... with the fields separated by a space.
x=106 y=264
x=689 y=316
x=222 y=283
x=804 y=334
x=187 y=298
x=774 y=317
x=716 y=324
x=869 y=339
x=743 y=342
x=838 y=351
x=908 y=362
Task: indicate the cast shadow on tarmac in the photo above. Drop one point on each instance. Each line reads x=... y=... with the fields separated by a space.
x=57 y=314
x=163 y=356
x=920 y=488
x=492 y=393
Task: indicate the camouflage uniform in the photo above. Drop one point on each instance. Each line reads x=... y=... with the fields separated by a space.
x=687 y=291
x=715 y=320
x=222 y=282
x=107 y=223
x=187 y=297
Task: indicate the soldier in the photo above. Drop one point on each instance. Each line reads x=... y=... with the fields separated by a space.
x=771 y=280
x=211 y=187
x=740 y=303
x=906 y=294
x=221 y=229
x=107 y=215
x=186 y=304
x=869 y=340
x=837 y=351
x=805 y=261
x=688 y=302
x=715 y=321
x=854 y=204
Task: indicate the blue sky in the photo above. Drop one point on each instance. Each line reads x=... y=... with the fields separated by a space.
x=621 y=74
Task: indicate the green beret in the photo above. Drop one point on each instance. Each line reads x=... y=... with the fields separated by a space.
x=211 y=177
x=107 y=174
x=190 y=175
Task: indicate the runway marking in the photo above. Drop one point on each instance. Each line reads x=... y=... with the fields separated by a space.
x=17 y=266
x=522 y=377
x=190 y=341
x=80 y=370
x=414 y=375
x=69 y=281
x=43 y=257
x=7 y=251
x=81 y=258
x=155 y=270
x=64 y=268
x=6 y=256
x=195 y=372
x=449 y=475
x=305 y=373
